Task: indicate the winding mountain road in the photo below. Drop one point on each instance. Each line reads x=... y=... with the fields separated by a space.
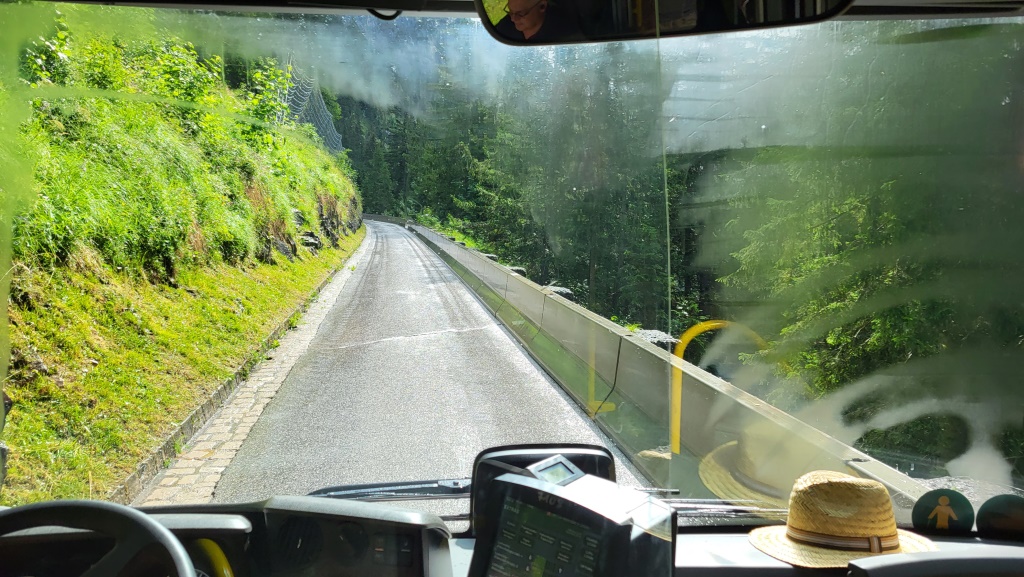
x=407 y=377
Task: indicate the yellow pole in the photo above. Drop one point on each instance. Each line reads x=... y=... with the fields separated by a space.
x=676 y=405
x=215 y=555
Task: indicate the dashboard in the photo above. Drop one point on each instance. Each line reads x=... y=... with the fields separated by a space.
x=554 y=518
x=283 y=536
x=313 y=536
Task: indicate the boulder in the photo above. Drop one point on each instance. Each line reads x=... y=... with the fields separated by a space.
x=309 y=239
x=658 y=338
x=561 y=291
x=284 y=248
x=330 y=221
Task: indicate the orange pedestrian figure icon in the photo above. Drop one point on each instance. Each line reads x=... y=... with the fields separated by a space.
x=942 y=512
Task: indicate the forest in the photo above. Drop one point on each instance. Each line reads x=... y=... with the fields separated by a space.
x=863 y=228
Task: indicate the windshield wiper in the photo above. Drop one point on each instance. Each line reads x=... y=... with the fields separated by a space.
x=688 y=511
x=704 y=508
x=407 y=491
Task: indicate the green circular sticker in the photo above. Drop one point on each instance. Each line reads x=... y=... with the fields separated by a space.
x=1002 y=517
x=943 y=512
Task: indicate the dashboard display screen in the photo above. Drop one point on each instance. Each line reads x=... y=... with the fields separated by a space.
x=555 y=473
x=532 y=542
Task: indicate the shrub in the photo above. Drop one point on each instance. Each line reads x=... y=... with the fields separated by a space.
x=150 y=184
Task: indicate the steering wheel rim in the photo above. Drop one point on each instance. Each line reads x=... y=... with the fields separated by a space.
x=131 y=529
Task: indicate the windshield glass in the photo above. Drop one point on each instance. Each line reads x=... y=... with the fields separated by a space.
x=733 y=259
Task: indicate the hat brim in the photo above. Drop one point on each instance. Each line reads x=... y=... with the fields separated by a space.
x=714 y=471
x=774 y=542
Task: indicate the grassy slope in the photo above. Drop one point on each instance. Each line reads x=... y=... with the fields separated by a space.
x=146 y=267
x=112 y=364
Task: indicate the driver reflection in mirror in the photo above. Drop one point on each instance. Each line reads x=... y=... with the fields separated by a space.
x=538 y=21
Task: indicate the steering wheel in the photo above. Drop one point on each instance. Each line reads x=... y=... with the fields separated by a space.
x=132 y=531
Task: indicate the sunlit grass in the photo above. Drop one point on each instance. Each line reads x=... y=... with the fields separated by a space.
x=108 y=364
x=147 y=251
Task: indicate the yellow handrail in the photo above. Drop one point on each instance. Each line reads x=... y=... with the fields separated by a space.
x=676 y=404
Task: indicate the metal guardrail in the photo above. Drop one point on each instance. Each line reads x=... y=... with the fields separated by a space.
x=608 y=364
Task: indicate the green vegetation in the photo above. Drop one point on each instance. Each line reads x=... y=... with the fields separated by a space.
x=452 y=227
x=161 y=246
x=876 y=256
x=567 y=189
x=106 y=365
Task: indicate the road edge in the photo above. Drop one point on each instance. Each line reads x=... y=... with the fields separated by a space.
x=126 y=492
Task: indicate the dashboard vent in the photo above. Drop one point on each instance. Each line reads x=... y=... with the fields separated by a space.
x=299 y=542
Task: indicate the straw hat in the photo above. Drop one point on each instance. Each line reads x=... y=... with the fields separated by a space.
x=833 y=519
x=762 y=465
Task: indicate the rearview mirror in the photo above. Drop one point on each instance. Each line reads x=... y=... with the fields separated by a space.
x=563 y=21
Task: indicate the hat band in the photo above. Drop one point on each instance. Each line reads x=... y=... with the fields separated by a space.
x=871 y=544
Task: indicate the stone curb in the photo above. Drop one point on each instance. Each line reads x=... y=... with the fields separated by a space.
x=148 y=470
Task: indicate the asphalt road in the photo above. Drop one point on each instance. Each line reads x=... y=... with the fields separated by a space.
x=408 y=378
